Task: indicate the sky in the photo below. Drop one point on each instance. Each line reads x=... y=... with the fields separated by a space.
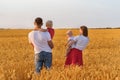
x=63 y=13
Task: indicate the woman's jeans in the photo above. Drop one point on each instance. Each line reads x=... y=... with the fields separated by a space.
x=43 y=58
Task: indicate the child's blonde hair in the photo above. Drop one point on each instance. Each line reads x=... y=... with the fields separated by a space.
x=69 y=32
x=49 y=23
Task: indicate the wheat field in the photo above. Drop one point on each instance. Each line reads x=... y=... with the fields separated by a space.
x=101 y=57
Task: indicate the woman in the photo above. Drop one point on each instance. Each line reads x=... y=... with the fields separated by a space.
x=75 y=55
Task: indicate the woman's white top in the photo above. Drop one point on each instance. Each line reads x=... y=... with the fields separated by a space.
x=81 y=42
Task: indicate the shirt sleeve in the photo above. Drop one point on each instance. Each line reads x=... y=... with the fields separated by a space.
x=48 y=37
x=76 y=38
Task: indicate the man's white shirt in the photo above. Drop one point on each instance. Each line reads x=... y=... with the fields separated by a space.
x=40 y=41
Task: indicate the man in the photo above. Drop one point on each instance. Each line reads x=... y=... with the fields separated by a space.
x=42 y=43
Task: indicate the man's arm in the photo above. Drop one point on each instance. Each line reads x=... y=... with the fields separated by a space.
x=31 y=44
x=50 y=43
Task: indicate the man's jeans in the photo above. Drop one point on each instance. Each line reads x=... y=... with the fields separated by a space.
x=43 y=58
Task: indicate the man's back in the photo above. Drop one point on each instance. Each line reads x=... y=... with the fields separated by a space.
x=40 y=41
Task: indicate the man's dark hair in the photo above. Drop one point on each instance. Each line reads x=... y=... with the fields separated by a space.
x=85 y=30
x=39 y=21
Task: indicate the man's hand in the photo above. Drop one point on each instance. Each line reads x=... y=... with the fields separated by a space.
x=50 y=43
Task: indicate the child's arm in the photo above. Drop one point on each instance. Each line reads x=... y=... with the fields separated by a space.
x=43 y=30
x=71 y=42
x=66 y=43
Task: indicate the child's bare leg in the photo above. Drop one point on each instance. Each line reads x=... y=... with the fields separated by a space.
x=67 y=52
